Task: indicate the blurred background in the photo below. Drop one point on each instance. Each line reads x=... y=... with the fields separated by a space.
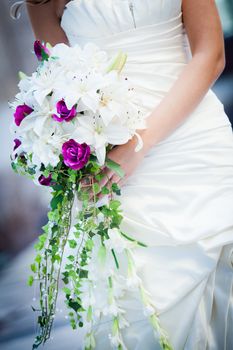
x=23 y=205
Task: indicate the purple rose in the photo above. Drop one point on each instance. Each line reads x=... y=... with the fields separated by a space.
x=17 y=143
x=45 y=181
x=64 y=113
x=21 y=112
x=41 y=51
x=75 y=155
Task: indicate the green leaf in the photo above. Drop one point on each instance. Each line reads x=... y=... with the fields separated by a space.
x=71 y=257
x=73 y=323
x=66 y=290
x=72 y=243
x=56 y=258
x=94 y=168
x=89 y=314
x=116 y=189
x=54 y=176
x=30 y=280
x=33 y=268
x=45 y=228
x=114 y=204
x=115 y=167
x=65 y=279
x=72 y=175
x=74 y=305
x=89 y=244
x=38 y=258
x=105 y=190
x=96 y=187
x=82 y=273
x=55 y=201
x=69 y=266
x=99 y=177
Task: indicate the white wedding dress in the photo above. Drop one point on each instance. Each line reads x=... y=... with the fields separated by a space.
x=179 y=200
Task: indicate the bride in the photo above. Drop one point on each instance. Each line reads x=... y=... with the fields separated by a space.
x=180 y=199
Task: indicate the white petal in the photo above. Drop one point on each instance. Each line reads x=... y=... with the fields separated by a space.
x=101 y=154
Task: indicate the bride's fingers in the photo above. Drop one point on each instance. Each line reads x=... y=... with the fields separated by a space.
x=121 y=182
x=108 y=173
x=114 y=179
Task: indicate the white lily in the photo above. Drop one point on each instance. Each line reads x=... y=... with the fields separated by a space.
x=113 y=101
x=44 y=80
x=93 y=131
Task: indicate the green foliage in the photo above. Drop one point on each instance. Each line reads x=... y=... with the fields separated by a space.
x=55 y=237
x=115 y=167
x=30 y=280
x=72 y=243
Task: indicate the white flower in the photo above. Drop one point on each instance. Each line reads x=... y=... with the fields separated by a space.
x=89 y=341
x=148 y=310
x=88 y=297
x=94 y=57
x=93 y=131
x=116 y=241
x=116 y=339
x=123 y=323
x=89 y=56
x=44 y=80
x=114 y=309
x=46 y=150
x=101 y=263
x=133 y=280
x=80 y=87
x=113 y=101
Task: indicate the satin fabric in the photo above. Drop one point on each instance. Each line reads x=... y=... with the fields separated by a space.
x=179 y=200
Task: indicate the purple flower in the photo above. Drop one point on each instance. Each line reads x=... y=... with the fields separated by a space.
x=45 y=181
x=17 y=143
x=21 y=112
x=65 y=113
x=41 y=51
x=75 y=155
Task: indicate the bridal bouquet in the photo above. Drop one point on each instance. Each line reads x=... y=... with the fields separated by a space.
x=69 y=113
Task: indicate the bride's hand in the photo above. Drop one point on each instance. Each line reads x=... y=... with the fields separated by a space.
x=127 y=158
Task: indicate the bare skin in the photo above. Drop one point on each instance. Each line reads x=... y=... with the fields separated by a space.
x=208 y=61
x=45 y=20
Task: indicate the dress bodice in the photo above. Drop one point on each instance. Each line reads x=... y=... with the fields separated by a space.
x=94 y=19
x=152 y=34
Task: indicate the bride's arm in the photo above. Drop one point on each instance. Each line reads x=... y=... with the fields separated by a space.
x=205 y=34
x=202 y=23
x=45 y=20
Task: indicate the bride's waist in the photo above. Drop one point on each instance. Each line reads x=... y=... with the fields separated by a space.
x=159 y=42
x=143 y=51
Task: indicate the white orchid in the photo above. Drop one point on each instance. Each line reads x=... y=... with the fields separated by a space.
x=116 y=241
